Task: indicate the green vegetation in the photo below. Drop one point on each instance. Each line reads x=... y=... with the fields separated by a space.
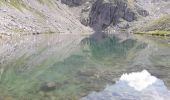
x=16 y=3
x=49 y=3
x=156 y=33
x=19 y=4
x=158 y=27
x=161 y=23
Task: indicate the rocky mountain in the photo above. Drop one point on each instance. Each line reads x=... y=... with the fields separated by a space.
x=77 y=16
x=60 y=49
x=119 y=14
x=37 y=16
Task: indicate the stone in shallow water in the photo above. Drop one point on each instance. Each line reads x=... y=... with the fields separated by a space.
x=50 y=86
x=88 y=71
x=129 y=87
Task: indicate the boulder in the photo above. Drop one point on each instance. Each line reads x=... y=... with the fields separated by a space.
x=73 y=2
x=123 y=25
x=142 y=12
x=129 y=15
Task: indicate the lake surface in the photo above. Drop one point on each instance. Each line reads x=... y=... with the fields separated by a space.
x=69 y=67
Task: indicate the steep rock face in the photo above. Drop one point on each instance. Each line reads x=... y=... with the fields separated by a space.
x=103 y=13
x=99 y=14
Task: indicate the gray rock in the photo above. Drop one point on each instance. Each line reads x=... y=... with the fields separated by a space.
x=123 y=25
x=84 y=20
x=84 y=16
x=73 y=2
x=143 y=13
x=50 y=86
x=104 y=12
x=129 y=15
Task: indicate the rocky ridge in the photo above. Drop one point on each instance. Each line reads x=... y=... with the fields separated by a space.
x=20 y=17
x=77 y=16
x=119 y=16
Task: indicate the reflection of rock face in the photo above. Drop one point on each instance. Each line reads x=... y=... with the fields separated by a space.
x=102 y=46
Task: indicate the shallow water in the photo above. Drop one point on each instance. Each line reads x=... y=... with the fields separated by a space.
x=76 y=65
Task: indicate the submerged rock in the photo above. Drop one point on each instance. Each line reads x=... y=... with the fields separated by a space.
x=49 y=86
x=88 y=72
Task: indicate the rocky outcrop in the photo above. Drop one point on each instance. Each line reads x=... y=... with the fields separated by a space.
x=103 y=13
x=41 y=16
x=142 y=12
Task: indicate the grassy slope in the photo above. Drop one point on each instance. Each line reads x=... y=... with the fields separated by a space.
x=22 y=6
x=158 y=27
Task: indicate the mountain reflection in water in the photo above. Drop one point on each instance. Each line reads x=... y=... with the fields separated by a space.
x=69 y=67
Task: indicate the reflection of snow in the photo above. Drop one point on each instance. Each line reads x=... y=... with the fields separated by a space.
x=138 y=81
x=133 y=86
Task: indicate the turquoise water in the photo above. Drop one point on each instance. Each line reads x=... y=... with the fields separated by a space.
x=77 y=66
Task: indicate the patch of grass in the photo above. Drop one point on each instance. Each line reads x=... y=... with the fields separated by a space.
x=18 y=30
x=49 y=3
x=155 y=33
x=156 y=27
x=16 y=4
x=131 y=3
x=162 y=23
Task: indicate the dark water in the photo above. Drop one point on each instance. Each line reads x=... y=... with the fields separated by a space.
x=51 y=71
